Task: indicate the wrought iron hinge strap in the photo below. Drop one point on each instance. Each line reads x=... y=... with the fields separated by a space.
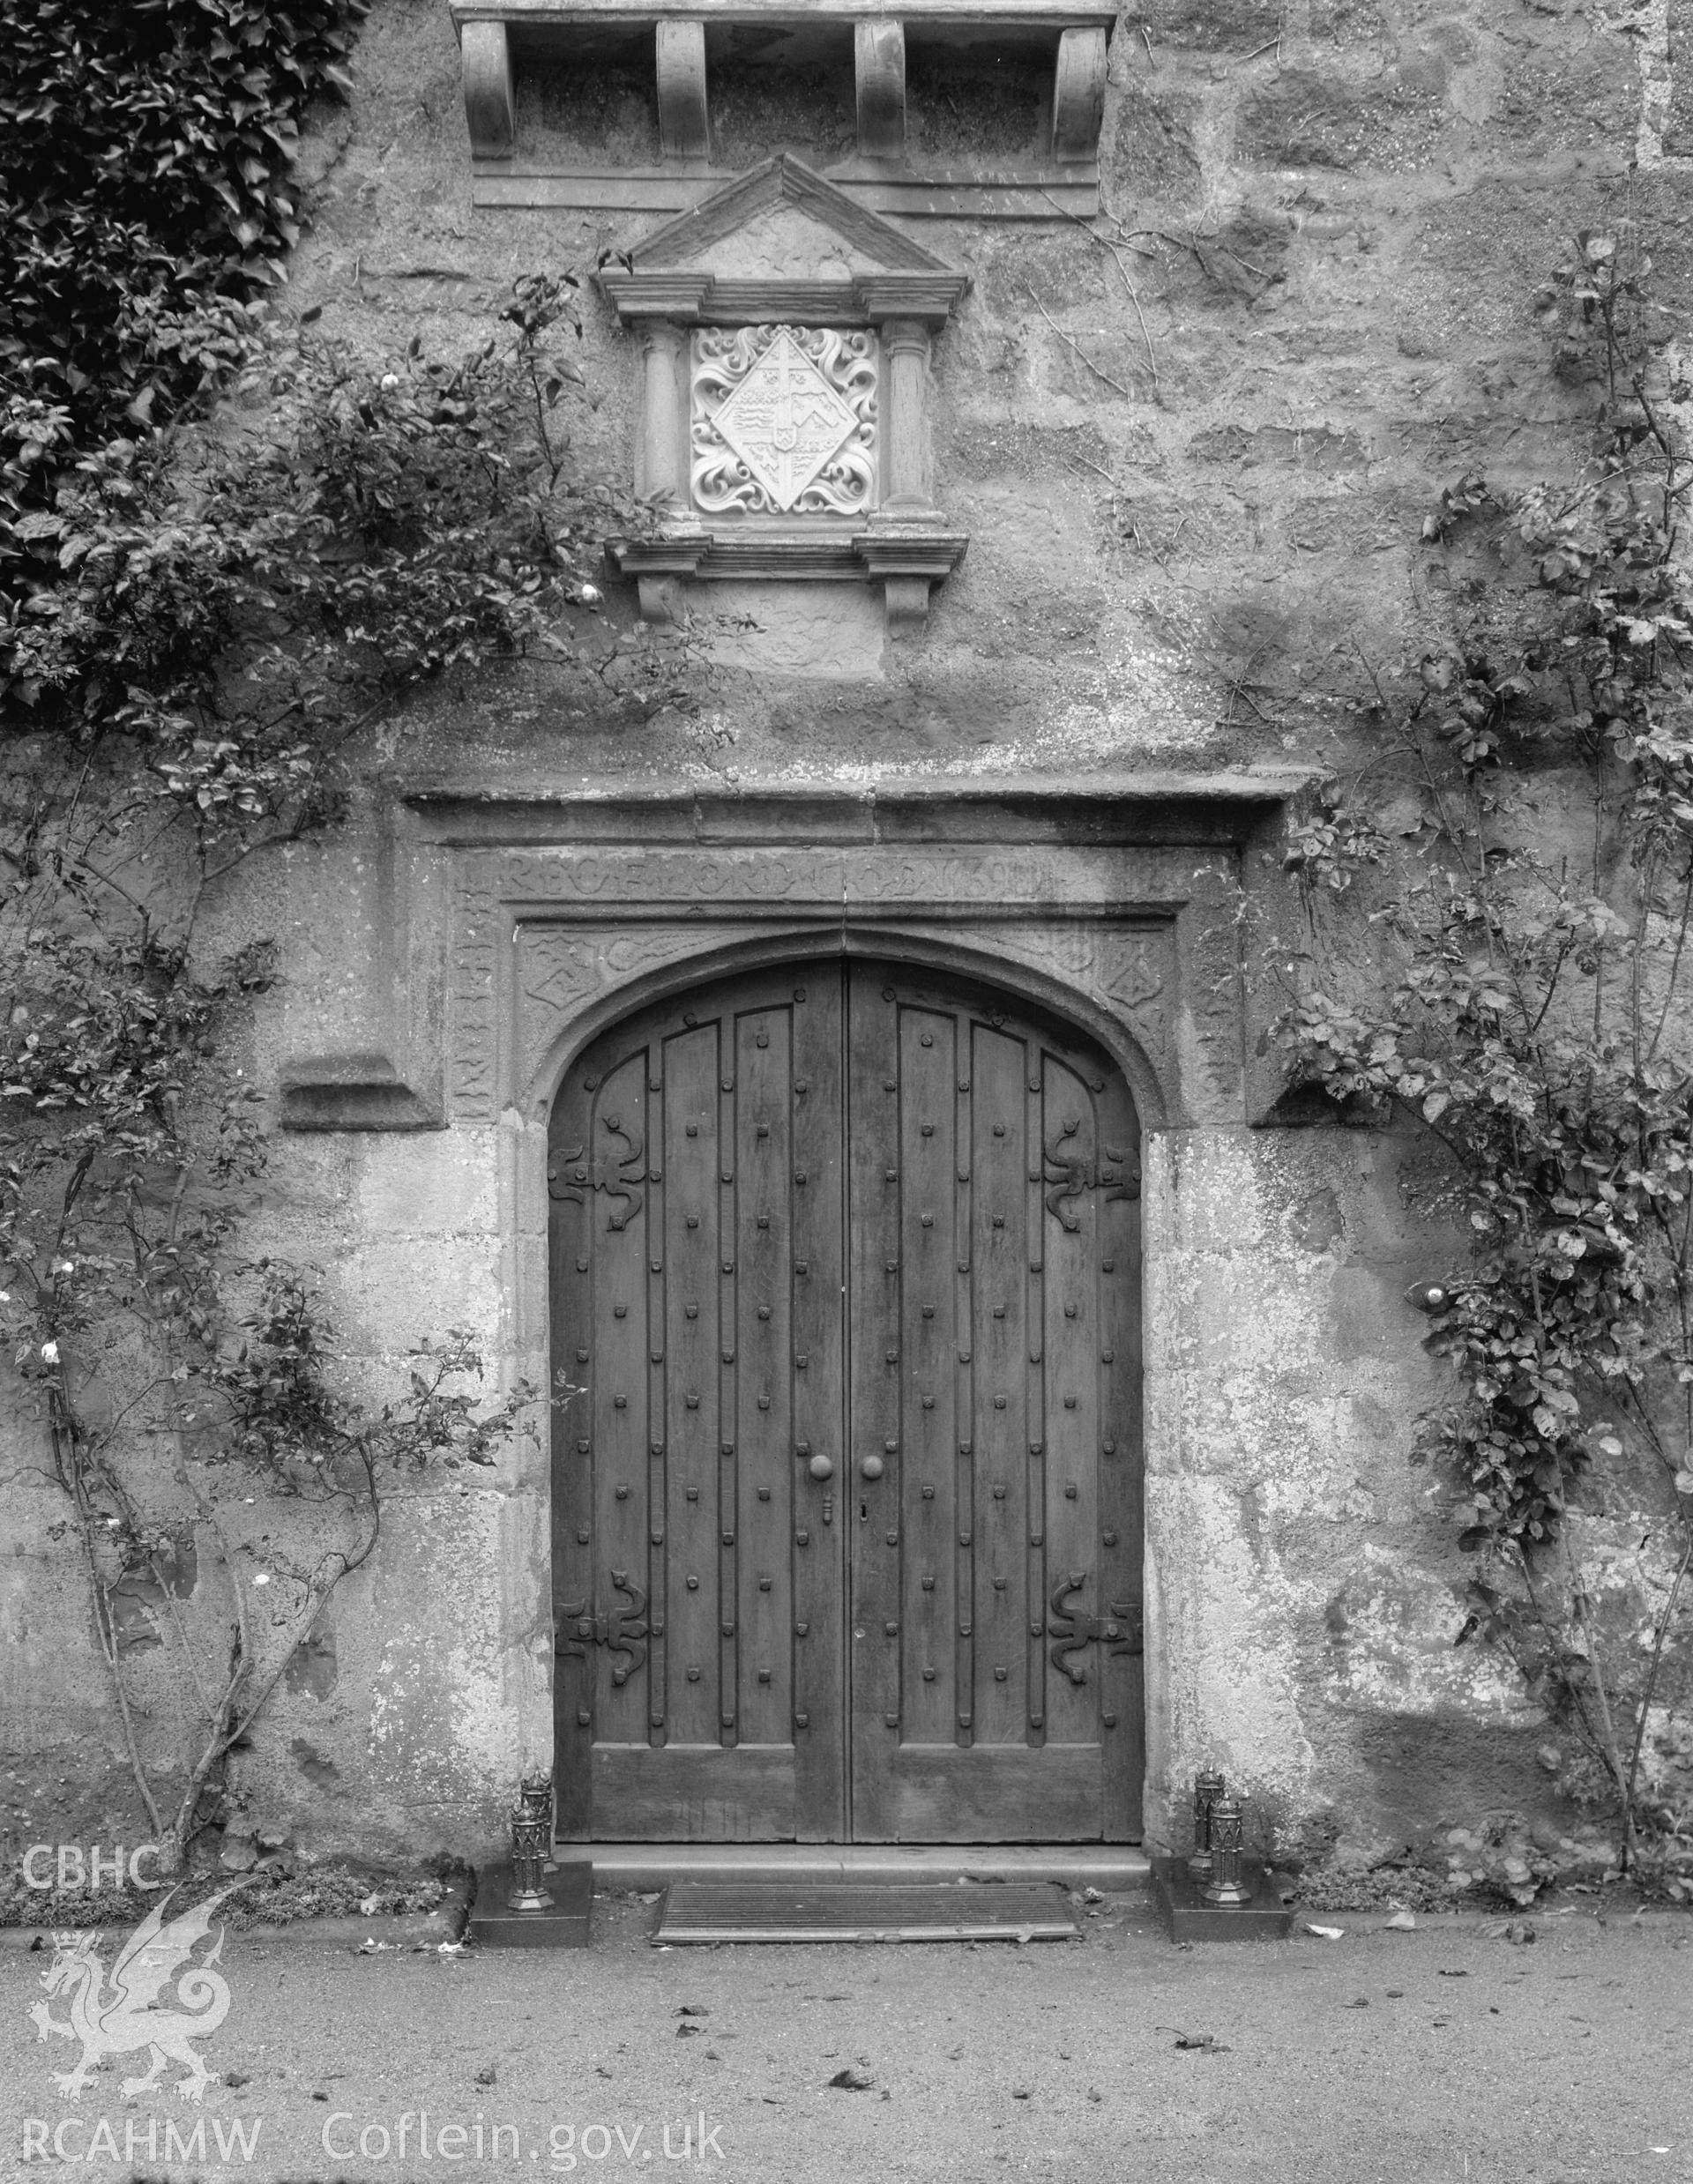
x=1072 y=1628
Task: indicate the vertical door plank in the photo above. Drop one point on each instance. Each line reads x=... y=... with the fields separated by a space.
x=685 y=1369
x=728 y=1478
x=820 y=1507
x=1121 y=1468
x=1072 y=1344
x=927 y=1560
x=1038 y=1585
x=617 y=1215
x=758 y=1437
x=875 y=1372
x=571 y=1416
x=650 y=1091
x=1002 y=1425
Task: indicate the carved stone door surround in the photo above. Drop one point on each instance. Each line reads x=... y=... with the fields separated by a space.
x=514 y=930
x=1113 y=902
x=1115 y=906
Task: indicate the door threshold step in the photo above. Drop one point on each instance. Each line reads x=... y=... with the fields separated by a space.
x=1111 y=1867
x=704 y=1913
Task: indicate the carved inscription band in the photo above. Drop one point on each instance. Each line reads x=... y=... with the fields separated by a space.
x=541 y=936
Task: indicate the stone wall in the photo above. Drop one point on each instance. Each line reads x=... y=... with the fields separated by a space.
x=1193 y=445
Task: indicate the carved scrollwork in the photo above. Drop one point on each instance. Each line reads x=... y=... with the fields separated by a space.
x=782 y=420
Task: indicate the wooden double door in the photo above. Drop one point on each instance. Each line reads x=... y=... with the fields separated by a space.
x=846 y=1518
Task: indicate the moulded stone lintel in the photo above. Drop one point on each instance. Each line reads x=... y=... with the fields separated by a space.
x=879 y=68
x=1078 y=96
x=485 y=58
x=700 y=299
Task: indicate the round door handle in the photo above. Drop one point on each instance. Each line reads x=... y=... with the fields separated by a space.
x=872 y=1467
x=822 y=1467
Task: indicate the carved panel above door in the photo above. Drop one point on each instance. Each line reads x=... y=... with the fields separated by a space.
x=783 y=426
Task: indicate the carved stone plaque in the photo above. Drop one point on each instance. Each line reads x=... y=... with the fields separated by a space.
x=783 y=420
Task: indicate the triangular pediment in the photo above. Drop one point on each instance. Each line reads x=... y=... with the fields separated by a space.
x=741 y=231
x=782 y=242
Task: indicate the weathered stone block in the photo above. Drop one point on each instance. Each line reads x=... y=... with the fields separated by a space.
x=1390 y=1648
x=1307 y=118
x=442 y=1185
x=387 y=1295
x=1194 y=26
x=1156 y=146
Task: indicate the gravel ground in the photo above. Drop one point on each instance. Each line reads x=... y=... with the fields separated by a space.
x=1449 y=2054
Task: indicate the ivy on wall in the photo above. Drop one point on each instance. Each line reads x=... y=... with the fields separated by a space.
x=204 y=612
x=146 y=197
x=1525 y=1001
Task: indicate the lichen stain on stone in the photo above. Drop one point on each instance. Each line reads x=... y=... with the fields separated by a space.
x=1232 y=1633
x=1391 y=1632
x=439 y=1727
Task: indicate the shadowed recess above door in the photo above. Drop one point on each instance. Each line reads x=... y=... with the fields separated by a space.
x=902 y=64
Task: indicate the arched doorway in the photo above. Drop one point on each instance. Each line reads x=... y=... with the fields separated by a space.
x=847 y=1454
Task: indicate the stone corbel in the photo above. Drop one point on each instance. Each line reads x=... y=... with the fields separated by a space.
x=879 y=67
x=1078 y=96
x=684 y=116
x=908 y=560
x=394 y=1082
x=490 y=106
x=353 y=1091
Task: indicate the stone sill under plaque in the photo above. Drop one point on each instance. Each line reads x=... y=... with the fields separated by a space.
x=906 y=559
x=1187 y=1916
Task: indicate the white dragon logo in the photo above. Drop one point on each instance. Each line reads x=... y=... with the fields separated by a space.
x=127 y=2015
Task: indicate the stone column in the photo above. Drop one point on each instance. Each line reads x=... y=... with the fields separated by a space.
x=662 y=471
x=905 y=343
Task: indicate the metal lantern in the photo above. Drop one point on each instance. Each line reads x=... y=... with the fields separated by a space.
x=1208 y=1787
x=1227 y=1830
x=532 y=1845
